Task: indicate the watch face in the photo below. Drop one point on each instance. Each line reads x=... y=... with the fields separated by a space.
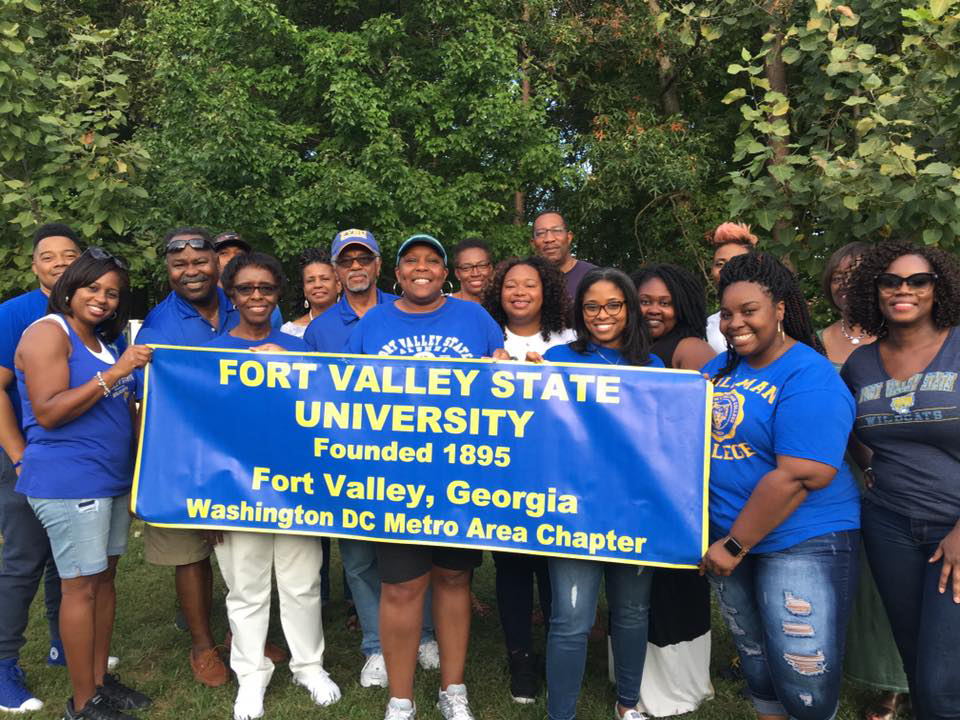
x=732 y=547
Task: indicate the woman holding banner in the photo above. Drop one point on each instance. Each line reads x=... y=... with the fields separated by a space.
x=424 y=322
x=784 y=508
x=676 y=674
x=254 y=283
x=528 y=300
x=78 y=394
x=610 y=330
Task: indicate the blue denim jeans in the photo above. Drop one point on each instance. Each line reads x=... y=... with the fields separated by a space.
x=363 y=578
x=26 y=559
x=575 y=588
x=788 y=612
x=925 y=624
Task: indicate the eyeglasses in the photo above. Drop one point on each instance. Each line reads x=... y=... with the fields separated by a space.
x=473 y=267
x=179 y=243
x=347 y=262
x=558 y=231
x=247 y=289
x=890 y=282
x=98 y=253
x=613 y=308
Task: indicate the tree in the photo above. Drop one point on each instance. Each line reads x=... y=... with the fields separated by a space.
x=65 y=150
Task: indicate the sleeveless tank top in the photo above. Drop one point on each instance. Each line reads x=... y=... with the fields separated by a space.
x=665 y=346
x=90 y=456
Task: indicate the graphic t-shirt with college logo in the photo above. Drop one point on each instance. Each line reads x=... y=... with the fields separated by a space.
x=796 y=406
x=457 y=329
x=913 y=428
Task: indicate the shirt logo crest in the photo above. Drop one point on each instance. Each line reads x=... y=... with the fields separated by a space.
x=903 y=404
x=727 y=415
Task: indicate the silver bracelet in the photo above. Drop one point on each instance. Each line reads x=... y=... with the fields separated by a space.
x=103 y=384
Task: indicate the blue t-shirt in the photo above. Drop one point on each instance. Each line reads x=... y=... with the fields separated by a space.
x=90 y=456
x=16 y=315
x=596 y=354
x=287 y=342
x=795 y=406
x=458 y=329
x=329 y=331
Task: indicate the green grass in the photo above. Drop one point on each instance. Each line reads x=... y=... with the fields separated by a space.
x=153 y=658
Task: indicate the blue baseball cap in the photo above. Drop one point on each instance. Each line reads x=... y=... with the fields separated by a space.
x=422 y=239
x=353 y=237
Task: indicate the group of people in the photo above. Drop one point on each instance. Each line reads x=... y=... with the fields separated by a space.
x=834 y=511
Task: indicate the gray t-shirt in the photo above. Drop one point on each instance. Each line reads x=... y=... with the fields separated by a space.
x=913 y=428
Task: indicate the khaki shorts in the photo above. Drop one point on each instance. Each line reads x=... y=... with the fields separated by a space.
x=174 y=546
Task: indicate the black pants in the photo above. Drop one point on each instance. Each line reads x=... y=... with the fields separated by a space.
x=26 y=559
x=515 y=574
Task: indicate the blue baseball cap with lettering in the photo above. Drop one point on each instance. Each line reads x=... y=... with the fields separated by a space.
x=353 y=237
x=422 y=239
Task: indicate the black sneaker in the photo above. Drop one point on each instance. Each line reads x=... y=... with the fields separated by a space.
x=97 y=708
x=524 y=678
x=120 y=696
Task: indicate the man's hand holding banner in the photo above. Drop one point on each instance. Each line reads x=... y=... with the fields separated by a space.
x=577 y=460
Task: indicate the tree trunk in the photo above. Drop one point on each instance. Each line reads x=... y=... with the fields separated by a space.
x=776 y=73
x=669 y=100
x=519 y=201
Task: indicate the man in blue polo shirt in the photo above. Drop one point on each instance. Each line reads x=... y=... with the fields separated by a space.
x=195 y=311
x=26 y=548
x=356 y=260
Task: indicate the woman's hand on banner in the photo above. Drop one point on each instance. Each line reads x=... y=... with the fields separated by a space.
x=267 y=347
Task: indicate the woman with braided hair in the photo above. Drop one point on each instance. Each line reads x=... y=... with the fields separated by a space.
x=907 y=398
x=784 y=508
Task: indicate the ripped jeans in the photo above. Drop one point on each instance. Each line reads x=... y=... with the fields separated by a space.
x=575 y=586
x=788 y=611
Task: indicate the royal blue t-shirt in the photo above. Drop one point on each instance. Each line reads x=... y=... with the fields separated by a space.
x=90 y=456
x=329 y=331
x=458 y=329
x=287 y=342
x=596 y=354
x=16 y=315
x=796 y=406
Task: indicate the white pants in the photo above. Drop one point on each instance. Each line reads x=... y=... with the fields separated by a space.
x=246 y=560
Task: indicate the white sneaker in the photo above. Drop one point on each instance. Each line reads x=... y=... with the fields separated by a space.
x=323 y=690
x=374 y=672
x=631 y=714
x=400 y=709
x=453 y=704
x=249 y=702
x=428 y=655
x=112 y=662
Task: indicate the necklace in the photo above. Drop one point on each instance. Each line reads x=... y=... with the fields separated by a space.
x=607 y=360
x=848 y=336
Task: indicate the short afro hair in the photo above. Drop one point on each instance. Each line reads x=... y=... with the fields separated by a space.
x=556 y=306
x=862 y=305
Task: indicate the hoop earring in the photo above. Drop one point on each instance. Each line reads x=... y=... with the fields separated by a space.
x=114 y=316
x=445 y=283
x=397 y=290
x=306 y=304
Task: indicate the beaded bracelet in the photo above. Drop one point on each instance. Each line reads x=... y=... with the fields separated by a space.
x=103 y=385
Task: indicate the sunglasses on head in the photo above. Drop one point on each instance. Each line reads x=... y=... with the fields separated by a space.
x=98 y=253
x=918 y=281
x=179 y=243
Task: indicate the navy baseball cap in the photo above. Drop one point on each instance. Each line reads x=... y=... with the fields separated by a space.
x=422 y=239
x=353 y=237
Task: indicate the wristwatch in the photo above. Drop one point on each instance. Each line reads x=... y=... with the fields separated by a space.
x=732 y=546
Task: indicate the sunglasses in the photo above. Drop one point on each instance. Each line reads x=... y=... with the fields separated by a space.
x=179 y=243
x=247 y=289
x=98 y=253
x=347 y=262
x=889 y=282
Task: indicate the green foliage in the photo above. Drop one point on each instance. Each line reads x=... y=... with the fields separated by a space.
x=65 y=150
x=401 y=119
x=871 y=127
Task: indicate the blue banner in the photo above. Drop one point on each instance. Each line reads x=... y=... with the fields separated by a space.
x=601 y=462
